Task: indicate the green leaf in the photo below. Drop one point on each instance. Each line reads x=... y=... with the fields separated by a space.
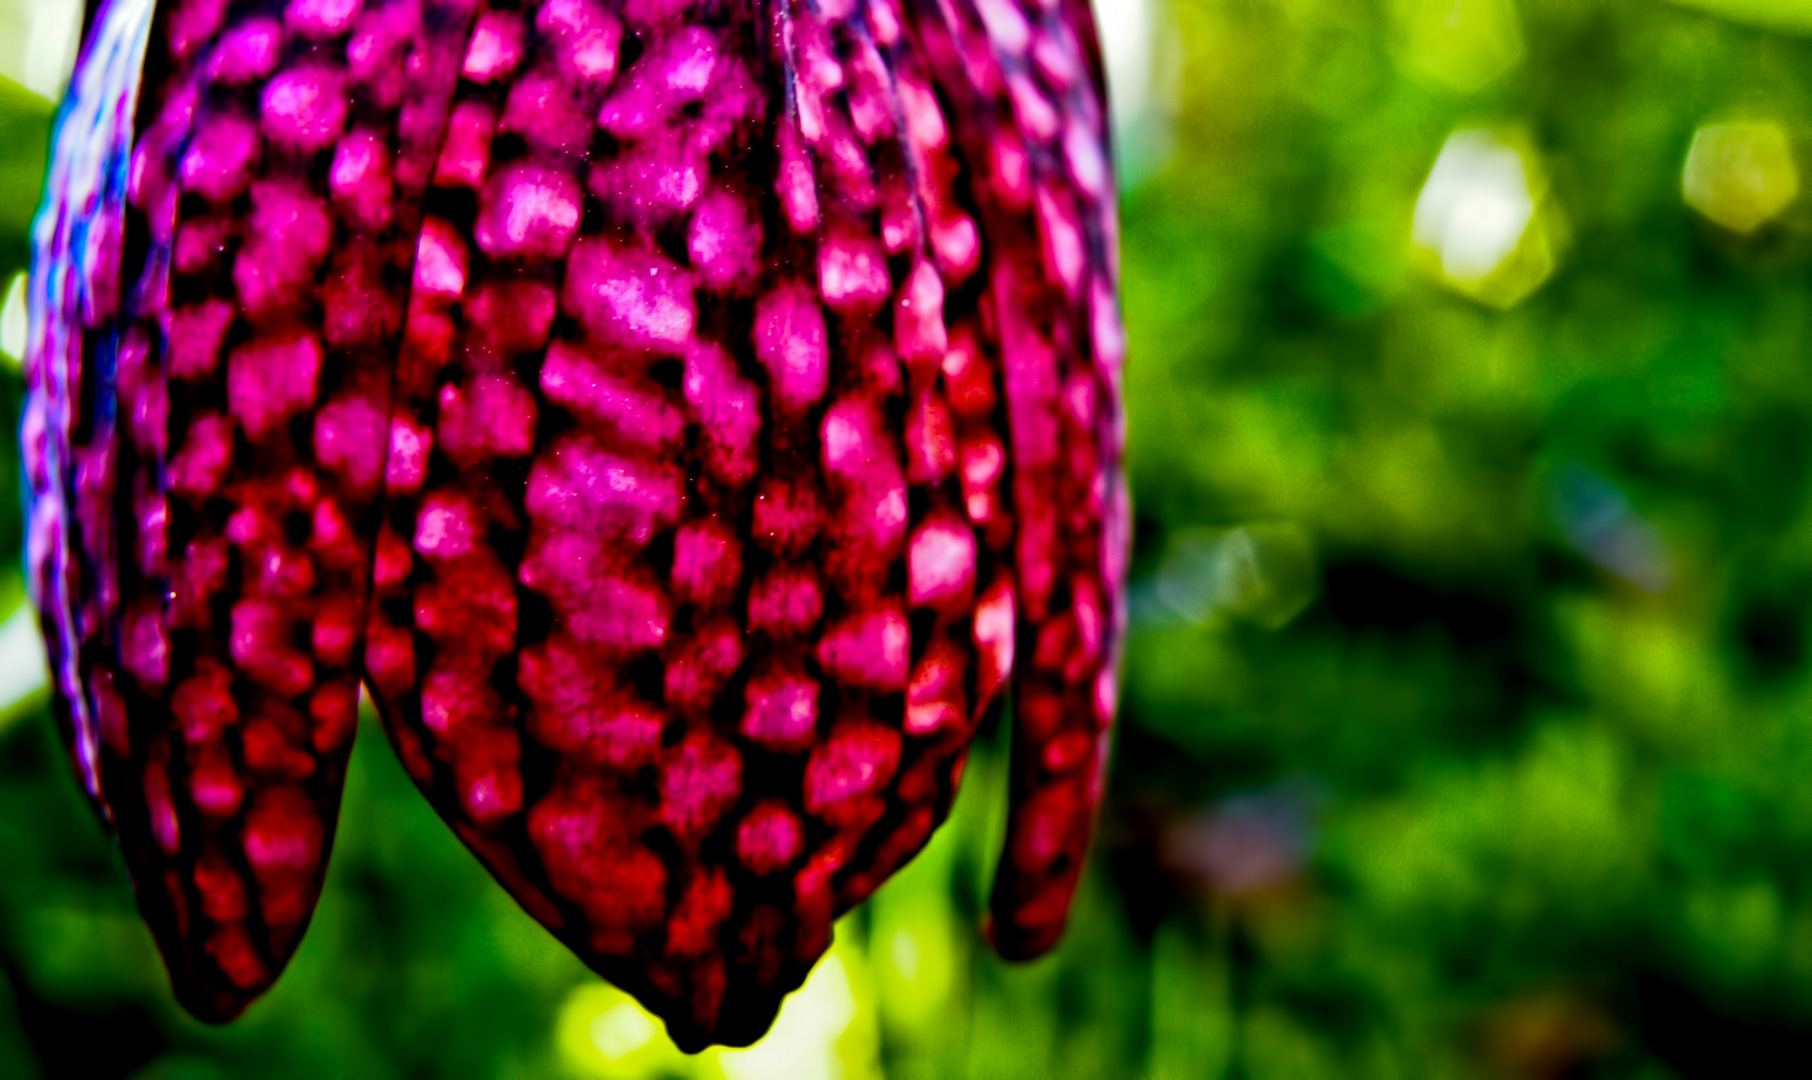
x=1790 y=15
x=25 y=120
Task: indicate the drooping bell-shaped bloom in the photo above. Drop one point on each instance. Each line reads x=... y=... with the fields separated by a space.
x=687 y=417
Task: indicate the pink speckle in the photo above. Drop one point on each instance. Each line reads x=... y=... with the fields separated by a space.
x=708 y=901
x=1006 y=27
x=486 y=775
x=203 y=703
x=580 y=711
x=164 y=824
x=1106 y=332
x=852 y=273
x=230 y=946
x=247 y=52
x=214 y=787
x=605 y=605
x=940 y=562
x=453 y=698
x=981 y=462
x=192 y=25
x=1036 y=546
x=786 y=602
x=629 y=297
x=1086 y=604
x=389 y=654
x=544 y=111
x=493 y=416
x=856 y=762
x=496 y=47
x=196 y=333
x=707 y=563
x=930 y=439
x=1056 y=56
x=509 y=318
x=1037 y=115
x=995 y=620
x=577 y=484
x=935 y=696
x=529 y=212
x=360 y=306
x=222 y=891
x=675 y=72
x=796 y=186
x=918 y=318
x=407 y=465
x=620 y=885
x=201 y=464
x=465 y=153
x=349 y=438
x=218 y=162
x=957 y=245
x=788 y=514
x=282 y=839
x=584 y=38
x=686 y=65
x=969 y=377
x=272 y=379
x=260 y=644
x=440 y=259
x=769 y=838
x=1012 y=172
x=728 y=408
x=360 y=179
x=304 y=107
x=632 y=409
x=873 y=518
x=1031 y=383
x=288 y=236
x=855 y=445
x=782 y=709
x=447 y=527
x=652 y=183
x=332 y=637
x=870 y=93
x=321 y=18
x=1088 y=165
x=332 y=539
x=700 y=779
x=1065 y=257
x=144 y=647
x=335 y=710
x=725 y=241
x=701 y=666
x=200 y=241
x=924 y=118
x=868 y=649
x=791 y=342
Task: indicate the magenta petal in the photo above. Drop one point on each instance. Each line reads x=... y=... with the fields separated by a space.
x=686 y=482
x=202 y=586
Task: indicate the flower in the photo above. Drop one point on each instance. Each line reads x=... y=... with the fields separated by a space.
x=683 y=417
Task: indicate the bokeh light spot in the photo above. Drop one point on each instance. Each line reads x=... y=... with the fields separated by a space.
x=12 y=322
x=1740 y=175
x=621 y=1031
x=1462 y=43
x=1478 y=219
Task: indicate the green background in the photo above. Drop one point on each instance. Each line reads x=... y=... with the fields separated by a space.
x=1467 y=726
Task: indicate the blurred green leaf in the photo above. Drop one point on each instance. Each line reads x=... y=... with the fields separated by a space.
x=25 y=120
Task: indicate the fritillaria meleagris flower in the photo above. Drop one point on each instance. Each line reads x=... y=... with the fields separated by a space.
x=687 y=417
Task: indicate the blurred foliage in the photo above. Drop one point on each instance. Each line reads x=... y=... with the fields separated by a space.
x=24 y=139
x=1467 y=713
